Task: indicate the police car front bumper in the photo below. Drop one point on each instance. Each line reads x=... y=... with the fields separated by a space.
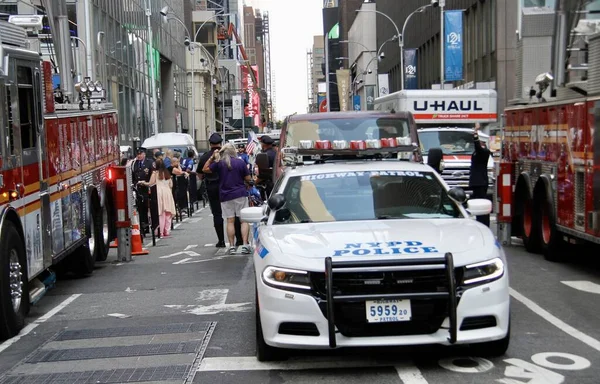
x=279 y=308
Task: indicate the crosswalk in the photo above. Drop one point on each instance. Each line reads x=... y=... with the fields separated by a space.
x=166 y=353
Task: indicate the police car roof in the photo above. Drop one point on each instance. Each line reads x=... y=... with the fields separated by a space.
x=366 y=165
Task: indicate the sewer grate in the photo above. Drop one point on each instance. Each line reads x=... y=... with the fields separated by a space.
x=50 y=355
x=133 y=375
x=80 y=334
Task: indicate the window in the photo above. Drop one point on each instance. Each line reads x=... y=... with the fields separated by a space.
x=373 y=195
x=26 y=107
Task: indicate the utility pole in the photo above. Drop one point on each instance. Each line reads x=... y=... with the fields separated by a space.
x=152 y=71
x=443 y=41
x=327 y=93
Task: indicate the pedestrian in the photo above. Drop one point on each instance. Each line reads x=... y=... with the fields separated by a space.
x=166 y=205
x=188 y=163
x=267 y=147
x=211 y=182
x=233 y=190
x=142 y=171
x=478 y=177
x=243 y=155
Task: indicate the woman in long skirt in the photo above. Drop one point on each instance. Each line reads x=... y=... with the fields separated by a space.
x=164 y=195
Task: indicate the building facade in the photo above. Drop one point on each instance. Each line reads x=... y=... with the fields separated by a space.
x=489 y=43
x=316 y=72
x=121 y=62
x=362 y=55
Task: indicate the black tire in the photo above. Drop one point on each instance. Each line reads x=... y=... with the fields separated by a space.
x=529 y=226
x=83 y=260
x=106 y=229
x=265 y=352
x=12 y=251
x=494 y=348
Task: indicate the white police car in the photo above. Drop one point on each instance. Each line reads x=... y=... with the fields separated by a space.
x=375 y=253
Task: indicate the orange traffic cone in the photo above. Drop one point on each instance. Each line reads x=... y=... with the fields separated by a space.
x=114 y=244
x=136 y=237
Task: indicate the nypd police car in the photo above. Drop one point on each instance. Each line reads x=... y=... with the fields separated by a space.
x=374 y=252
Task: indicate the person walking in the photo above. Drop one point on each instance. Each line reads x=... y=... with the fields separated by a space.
x=478 y=177
x=142 y=171
x=166 y=205
x=211 y=182
x=233 y=178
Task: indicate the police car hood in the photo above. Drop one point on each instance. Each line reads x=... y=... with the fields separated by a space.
x=309 y=244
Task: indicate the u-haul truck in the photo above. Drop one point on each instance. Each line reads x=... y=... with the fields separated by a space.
x=446 y=119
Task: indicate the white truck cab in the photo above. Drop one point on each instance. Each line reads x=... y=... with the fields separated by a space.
x=445 y=120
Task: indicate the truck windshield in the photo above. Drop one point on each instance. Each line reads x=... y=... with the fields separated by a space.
x=451 y=142
x=346 y=129
x=373 y=195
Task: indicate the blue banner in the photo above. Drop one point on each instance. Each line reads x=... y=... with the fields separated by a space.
x=356 y=102
x=410 y=69
x=453 y=45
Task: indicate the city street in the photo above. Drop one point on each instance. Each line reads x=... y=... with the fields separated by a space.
x=185 y=313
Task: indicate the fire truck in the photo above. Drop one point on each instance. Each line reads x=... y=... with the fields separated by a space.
x=56 y=201
x=548 y=190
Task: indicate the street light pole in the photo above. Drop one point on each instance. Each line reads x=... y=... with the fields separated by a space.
x=327 y=93
x=152 y=70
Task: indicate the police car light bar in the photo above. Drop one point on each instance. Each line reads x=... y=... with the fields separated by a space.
x=400 y=146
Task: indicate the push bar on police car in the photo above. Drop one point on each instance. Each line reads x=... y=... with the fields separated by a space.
x=445 y=262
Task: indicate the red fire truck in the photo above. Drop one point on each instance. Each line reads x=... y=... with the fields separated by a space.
x=548 y=186
x=56 y=204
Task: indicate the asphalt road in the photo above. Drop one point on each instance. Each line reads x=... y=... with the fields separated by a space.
x=185 y=313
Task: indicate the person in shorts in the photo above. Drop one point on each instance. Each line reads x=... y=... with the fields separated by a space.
x=233 y=179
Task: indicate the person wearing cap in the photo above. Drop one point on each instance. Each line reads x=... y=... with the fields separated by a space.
x=212 y=190
x=142 y=171
x=478 y=176
x=267 y=147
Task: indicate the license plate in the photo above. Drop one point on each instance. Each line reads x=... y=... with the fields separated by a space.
x=385 y=311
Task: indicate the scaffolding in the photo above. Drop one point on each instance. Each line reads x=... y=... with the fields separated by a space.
x=221 y=7
x=266 y=38
x=311 y=79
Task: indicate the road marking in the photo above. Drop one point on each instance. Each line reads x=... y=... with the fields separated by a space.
x=410 y=374
x=216 y=303
x=42 y=319
x=190 y=247
x=195 y=220
x=209 y=245
x=584 y=338
x=250 y=363
x=189 y=253
x=585 y=286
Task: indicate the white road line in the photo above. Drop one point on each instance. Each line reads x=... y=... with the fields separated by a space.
x=209 y=245
x=590 y=341
x=250 y=363
x=42 y=319
x=410 y=374
x=585 y=286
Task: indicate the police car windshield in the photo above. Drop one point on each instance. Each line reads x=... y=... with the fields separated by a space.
x=349 y=196
x=451 y=142
x=355 y=128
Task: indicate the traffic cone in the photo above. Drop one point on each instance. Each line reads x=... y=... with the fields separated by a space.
x=114 y=244
x=136 y=237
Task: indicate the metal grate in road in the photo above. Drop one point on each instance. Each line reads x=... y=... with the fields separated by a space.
x=172 y=373
x=51 y=355
x=80 y=334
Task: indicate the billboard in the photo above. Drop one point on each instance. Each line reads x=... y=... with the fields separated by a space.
x=253 y=108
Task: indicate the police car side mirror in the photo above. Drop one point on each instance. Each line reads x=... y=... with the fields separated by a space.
x=252 y=215
x=276 y=202
x=479 y=207
x=458 y=195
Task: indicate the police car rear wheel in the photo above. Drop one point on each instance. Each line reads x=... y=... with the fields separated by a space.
x=265 y=352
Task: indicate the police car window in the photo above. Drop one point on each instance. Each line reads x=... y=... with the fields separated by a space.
x=349 y=196
x=346 y=129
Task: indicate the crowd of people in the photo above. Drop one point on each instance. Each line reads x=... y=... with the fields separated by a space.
x=228 y=177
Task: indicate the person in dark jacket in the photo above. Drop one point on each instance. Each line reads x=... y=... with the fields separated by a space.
x=142 y=171
x=212 y=190
x=478 y=178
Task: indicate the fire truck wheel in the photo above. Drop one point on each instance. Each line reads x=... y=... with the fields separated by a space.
x=102 y=253
x=84 y=259
x=14 y=289
x=529 y=226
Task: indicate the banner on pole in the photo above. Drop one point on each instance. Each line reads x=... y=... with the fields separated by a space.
x=237 y=106
x=410 y=69
x=322 y=102
x=356 y=102
x=343 y=80
x=453 y=45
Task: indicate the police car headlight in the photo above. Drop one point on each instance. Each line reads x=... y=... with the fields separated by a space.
x=284 y=278
x=485 y=271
